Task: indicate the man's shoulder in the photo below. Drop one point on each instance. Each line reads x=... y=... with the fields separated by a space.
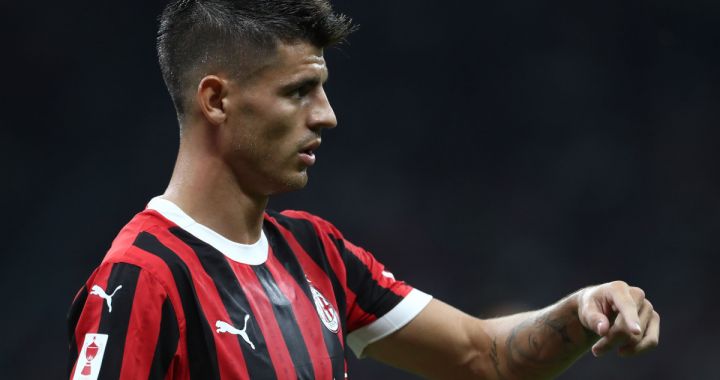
x=132 y=244
x=293 y=214
x=303 y=221
x=126 y=261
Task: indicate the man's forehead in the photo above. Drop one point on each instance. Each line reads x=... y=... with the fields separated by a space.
x=288 y=61
x=300 y=56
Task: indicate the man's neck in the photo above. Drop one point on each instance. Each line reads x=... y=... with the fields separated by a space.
x=207 y=190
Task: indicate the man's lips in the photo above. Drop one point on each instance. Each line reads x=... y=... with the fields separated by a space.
x=307 y=153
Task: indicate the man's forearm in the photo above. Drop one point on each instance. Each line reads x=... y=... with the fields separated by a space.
x=538 y=344
x=444 y=343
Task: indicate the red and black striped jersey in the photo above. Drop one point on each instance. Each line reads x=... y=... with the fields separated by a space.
x=173 y=299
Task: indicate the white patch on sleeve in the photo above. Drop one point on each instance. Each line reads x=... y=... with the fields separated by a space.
x=90 y=359
x=393 y=320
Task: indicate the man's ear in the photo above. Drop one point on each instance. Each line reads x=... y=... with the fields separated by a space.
x=210 y=94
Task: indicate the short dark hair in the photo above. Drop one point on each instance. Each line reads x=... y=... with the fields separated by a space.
x=198 y=36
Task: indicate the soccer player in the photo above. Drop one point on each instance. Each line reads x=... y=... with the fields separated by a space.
x=205 y=283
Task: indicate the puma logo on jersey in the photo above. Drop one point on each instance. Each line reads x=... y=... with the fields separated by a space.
x=224 y=327
x=388 y=275
x=100 y=292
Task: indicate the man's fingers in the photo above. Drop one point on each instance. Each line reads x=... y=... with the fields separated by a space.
x=637 y=294
x=635 y=326
x=592 y=313
x=597 y=322
x=631 y=343
x=616 y=336
x=626 y=306
x=650 y=340
x=601 y=347
x=646 y=315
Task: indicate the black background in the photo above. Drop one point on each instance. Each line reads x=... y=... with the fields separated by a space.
x=497 y=155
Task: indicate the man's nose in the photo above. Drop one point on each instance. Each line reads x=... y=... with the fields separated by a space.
x=322 y=114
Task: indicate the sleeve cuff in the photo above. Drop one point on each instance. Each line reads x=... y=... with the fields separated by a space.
x=399 y=316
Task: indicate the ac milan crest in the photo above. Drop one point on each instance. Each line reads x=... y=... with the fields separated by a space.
x=325 y=310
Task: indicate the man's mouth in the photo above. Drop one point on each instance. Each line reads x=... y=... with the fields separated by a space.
x=307 y=153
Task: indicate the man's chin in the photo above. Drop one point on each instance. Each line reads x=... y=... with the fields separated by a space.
x=293 y=183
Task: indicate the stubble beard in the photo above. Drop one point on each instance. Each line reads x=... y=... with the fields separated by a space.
x=294 y=183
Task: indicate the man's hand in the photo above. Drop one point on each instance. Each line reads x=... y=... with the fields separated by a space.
x=621 y=316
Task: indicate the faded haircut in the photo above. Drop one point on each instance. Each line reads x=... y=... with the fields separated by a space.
x=198 y=37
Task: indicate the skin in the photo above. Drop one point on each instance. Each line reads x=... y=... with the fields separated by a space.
x=242 y=142
x=445 y=343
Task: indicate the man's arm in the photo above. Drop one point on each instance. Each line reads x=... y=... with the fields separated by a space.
x=445 y=343
x=125 y=312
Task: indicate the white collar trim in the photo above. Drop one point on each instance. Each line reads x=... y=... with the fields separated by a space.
x=251 y=254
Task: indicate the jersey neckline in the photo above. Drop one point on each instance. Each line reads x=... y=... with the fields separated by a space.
x=251 y=254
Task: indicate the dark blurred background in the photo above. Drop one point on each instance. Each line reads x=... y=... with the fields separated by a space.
x=497 y=155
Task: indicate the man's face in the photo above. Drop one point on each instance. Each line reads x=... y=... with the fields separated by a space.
x=275 y=119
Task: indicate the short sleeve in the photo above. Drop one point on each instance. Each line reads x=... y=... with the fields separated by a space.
x=121 y=325
x=382 y=304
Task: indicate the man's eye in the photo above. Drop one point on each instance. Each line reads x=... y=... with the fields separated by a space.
x=302 y=91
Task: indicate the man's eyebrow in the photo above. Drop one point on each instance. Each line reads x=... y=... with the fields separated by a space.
x=303 y=81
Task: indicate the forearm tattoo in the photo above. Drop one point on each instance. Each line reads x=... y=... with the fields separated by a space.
x=495 y=359
x=541 y=346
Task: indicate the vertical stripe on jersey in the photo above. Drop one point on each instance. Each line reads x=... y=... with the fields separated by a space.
x=305 y=234
x=285 y=255
x=259 y=365
x=72 y=318
x=202 y=356
x=282 y=308
x=115 y=323
x=372 y=297
x=167 y=342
